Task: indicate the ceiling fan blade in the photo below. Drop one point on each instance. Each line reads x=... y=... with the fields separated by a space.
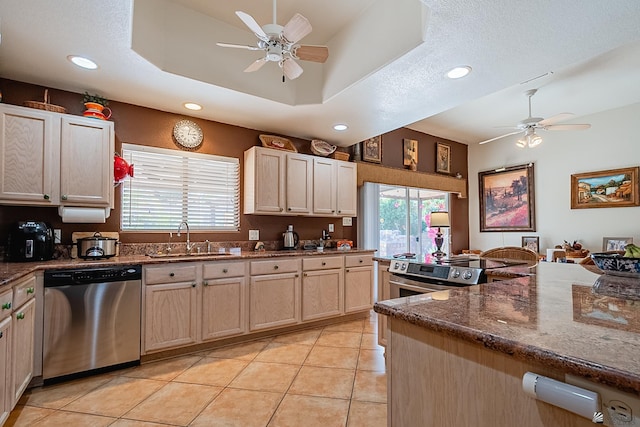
x=256 y=65
x=238 y=46
x=296 y=29
x=291 y=69
x=311 y=53
x=557 y=118
x=499 y=137
x=576 y=126
x=253 y=25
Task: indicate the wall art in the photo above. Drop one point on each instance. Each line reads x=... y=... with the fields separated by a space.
x=372 y=149
x=614 y=188
x=443 y=158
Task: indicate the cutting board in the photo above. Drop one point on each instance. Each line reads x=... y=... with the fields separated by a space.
x=82 y=234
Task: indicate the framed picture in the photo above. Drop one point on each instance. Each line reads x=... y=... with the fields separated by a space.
x=607 y=311
x=531 y=242
x=372 y=149
x=615 y=243
x=443 y=158
x=410 y=154
x=507 y=199
x=614 y=188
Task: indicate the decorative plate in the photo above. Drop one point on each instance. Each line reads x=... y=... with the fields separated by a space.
x=277 y=142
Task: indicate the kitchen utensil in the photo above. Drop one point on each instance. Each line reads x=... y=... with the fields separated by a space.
x=96 y=246
x=290 y=238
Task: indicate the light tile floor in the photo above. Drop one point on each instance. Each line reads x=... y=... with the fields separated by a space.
x=331 y=376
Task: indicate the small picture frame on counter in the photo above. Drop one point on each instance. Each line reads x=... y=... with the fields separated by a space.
x=531 y=242
x=615 y=243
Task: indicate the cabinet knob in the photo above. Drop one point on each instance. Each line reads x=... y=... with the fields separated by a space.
x=281 y=209
x=224 y=270
x=297 y=275
x=275 y=267
x=64 y=197
x=339 y=211
x=20 y=316
x=6 y=306
x=1 y=334
x=360 y=261
x=46 y=197
x=193 y=285
x=205 y=283
x=288 y=209
x=347 y=270
x=30 y=290
x=333 y=211
x=305 y=275
x=172 y=274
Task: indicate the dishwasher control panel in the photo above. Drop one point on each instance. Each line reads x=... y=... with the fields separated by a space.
x=92 y=275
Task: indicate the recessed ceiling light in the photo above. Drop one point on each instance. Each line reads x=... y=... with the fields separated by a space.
x=340 y=127
x=82 y=62
x=459 y=72
x=192 y=106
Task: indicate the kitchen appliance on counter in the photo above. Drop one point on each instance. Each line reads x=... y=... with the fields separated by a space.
x=290 y=238
x=30 y=241
x=96 y=246
x=91 y=320
x=413 y=277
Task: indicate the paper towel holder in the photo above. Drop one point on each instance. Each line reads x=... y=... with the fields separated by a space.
x=74 y=214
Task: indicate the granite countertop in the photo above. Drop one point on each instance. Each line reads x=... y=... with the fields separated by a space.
x=552 y=317
x=10 y=271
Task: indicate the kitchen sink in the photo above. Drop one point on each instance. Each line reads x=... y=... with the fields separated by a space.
x=191 y=255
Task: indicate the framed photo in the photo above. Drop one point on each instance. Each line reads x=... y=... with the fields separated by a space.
x=614 y=188
x=410 y=154
x=531 y=242
x=443 y=158
x=615 y=243
x=372 y=149
x=507 y=201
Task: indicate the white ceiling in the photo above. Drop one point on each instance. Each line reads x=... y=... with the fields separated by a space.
x=385 y=70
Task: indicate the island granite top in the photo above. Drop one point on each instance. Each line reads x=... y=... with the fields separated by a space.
x=552 y=317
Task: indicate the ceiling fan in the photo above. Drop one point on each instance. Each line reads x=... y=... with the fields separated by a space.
x=529 y=125
x=280 y=44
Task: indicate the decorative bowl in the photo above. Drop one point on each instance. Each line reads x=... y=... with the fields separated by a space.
x=616 y=264
x=322 y=148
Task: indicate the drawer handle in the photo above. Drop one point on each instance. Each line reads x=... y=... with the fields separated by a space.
x=20 y=316
x=6 y=306
x=30 y=290
x=275 y=267
x=46 y=197
x=172 y=274
x=324 y=263
x=224 y=270
x=205 y=283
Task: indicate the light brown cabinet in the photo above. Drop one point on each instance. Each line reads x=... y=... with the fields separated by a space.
x=324 y=186
x=264 y=181
x=358 y=279
x=322 y=287
x=23 y=320
x=224 y=295
x=52 y=159
x=346 y=186
x=384 y=293
x=299 y=179
x=5 y=369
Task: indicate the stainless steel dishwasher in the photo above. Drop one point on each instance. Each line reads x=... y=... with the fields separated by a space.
x=91 y=319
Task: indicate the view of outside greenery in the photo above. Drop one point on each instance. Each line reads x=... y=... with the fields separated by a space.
x=405 y=217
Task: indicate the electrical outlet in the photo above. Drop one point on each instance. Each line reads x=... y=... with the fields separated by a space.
x=619 y=408
x=347 y=221
x=331 y=228
x=254 y=234
x=57 y=235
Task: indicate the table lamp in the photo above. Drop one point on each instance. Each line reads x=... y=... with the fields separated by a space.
x=439 y=219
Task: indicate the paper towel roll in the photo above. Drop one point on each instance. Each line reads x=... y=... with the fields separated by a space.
x=86 y=215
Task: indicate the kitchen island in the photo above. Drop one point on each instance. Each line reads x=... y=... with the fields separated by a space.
x=457 y=357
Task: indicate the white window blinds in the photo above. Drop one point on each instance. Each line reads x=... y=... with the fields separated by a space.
x=173 y=186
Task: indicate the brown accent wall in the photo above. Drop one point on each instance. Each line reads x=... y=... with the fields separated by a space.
x=146 y=126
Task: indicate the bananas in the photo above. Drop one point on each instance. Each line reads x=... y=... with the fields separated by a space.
x=631 y=251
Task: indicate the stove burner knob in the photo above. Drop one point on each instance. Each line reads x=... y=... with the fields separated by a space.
x=467 y=274
x=455 y=273
x=396 y=265
x=404 y=266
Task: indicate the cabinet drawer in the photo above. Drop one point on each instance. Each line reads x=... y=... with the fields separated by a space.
x=6 y=301
x=218 y=270
x=170 y=274
x=322 y=263
x=358 y=260
x=287 y=265
x=24 y=291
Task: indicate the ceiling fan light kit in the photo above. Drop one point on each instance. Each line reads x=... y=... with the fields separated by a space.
x=280 y=44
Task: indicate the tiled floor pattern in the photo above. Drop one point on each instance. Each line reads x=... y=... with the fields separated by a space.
x=331 y=376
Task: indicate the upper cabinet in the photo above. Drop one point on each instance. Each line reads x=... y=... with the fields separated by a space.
x=52 y=159
x=281 y=183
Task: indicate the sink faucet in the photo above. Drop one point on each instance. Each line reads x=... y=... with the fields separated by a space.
x=189 y=246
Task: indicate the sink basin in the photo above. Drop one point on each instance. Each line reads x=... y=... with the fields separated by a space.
x=191 y=255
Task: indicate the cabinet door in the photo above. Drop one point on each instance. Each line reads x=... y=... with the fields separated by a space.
x=324 y=186
x=269 y=181
x=86 y=162
x=169 y=316
x=346 y=189
x=299 y=183
x=358 y=283
x=29 y=156
x=5 y=369
x=273 y=300
x=384 y=293
x=223 y=307
x=22 y=353
x=322 y=293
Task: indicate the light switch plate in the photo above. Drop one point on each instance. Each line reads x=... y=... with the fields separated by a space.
x=331 y=228
x=347 y=221
x=254 y=234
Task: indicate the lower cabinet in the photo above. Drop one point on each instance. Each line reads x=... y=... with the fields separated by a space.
x=274 y=301
x=322 y=287
x=223 y=307
x=358 y=281
x=22 y=352
x=5 y=369
x=384 y=292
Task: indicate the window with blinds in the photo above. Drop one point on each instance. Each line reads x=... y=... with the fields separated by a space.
x=173 y=186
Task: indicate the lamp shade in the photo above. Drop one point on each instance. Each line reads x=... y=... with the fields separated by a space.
x=440 y=219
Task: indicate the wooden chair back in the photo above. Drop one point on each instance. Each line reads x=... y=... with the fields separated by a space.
x=511 y=252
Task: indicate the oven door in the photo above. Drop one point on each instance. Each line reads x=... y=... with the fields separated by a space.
x=402 y=286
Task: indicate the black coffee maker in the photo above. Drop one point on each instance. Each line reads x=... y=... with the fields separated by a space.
x=30 y=241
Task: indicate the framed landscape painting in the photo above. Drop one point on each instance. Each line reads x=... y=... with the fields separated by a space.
x=372 y=149
x=614 y=188
x=507 y=201
x=443 y=158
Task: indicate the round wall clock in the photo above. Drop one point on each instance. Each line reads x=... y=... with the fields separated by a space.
x=187 y=133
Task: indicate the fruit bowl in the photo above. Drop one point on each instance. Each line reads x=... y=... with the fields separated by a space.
x=616 y=264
